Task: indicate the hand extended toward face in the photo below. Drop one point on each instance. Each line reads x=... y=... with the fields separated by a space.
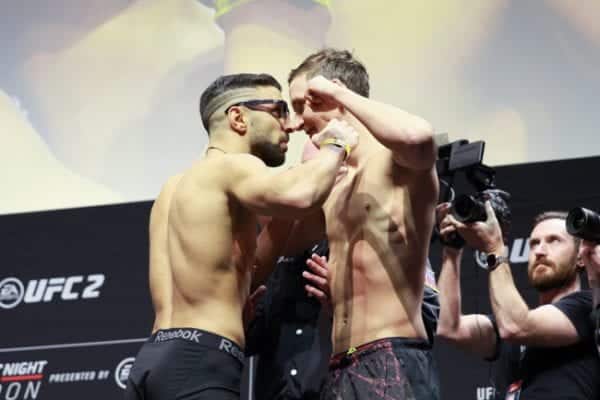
x=321 y=93
x=339 y=133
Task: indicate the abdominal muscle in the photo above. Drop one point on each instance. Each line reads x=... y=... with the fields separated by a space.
x=372 y=295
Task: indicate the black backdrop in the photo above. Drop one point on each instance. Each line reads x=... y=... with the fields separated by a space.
x=75 y=307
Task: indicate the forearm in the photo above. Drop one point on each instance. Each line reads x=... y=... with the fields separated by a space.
x=307 y=185
x=509 y=308
x=403 y=133
x=449 y=293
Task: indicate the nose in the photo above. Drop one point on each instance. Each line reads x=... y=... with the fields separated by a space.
x=294 y=123
x=540 y=250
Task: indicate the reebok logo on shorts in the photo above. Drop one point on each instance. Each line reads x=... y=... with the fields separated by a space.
x=192 y=335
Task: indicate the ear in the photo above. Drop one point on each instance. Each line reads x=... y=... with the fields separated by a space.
x=237 y=120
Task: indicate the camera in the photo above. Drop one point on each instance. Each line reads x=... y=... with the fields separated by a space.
x=467 y=208
x=584 y=224
x=471 y=208
x=467 y=158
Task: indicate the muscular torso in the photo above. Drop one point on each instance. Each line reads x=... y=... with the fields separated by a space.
x=379 y=219
x=211 y=246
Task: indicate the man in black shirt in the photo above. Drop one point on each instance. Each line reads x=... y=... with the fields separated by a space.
x=290 y=333
x=547 y=352
x=544 y=372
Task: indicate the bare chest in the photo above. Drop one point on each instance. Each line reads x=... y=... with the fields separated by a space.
x=366 y=202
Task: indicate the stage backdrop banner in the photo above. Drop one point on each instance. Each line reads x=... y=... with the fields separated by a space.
x=74 y=301
x=75 y=306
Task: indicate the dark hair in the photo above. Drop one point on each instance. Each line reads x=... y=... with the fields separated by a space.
x=546 y=215
x=229 y=82
x=335 y=64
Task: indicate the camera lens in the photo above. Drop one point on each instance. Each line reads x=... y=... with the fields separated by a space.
x=468 y=209
x=463 y=207
x=577 y=219
x=584 y=224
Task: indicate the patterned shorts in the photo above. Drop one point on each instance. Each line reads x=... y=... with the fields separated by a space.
x=391 y=369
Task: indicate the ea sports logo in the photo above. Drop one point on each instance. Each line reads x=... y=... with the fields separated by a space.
x=481 y=259
x=122 y=372
x=11 y=292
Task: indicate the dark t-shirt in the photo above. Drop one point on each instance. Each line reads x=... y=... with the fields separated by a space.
x=561 y=373
x=290 y=334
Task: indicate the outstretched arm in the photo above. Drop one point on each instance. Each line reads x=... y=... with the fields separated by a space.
x=409 y=137
x=297 y=191
x=543 y=326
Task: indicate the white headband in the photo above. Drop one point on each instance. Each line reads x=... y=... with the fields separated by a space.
x=225 y=100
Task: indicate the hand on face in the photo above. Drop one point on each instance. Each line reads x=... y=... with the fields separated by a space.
x=484 y=236
x=337 y=130
x=321 y=93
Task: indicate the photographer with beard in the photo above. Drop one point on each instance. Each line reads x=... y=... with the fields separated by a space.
x=545 y=352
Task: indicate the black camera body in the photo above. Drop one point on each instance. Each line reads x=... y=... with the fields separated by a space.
x=467 y=208
x=471 y=208
x=584 y=224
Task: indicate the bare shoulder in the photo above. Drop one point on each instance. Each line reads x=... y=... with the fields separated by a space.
x=240 y=164
x=161 y=204
x=170 y=185
x=245 y=164
x=224 y=171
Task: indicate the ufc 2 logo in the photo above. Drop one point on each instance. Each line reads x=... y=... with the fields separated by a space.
x=67 y=288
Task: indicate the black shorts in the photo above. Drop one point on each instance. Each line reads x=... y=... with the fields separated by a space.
x=186 y=363
x=391 y=368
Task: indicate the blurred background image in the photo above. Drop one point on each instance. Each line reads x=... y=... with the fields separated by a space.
x=99 y=98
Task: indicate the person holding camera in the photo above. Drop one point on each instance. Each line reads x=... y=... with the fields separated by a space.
x=546 y=352
x=585 y=224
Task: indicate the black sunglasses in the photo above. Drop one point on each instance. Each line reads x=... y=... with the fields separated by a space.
x=281 y=110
